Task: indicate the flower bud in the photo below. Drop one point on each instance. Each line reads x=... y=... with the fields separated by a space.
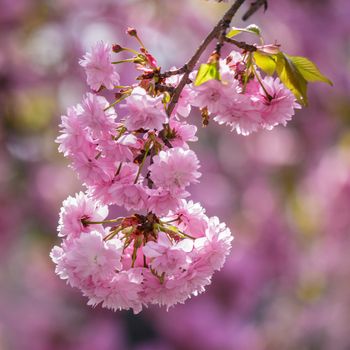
x=131 y=31
x=117 y=48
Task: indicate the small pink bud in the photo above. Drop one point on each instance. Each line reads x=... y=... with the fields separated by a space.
x=131 y=31
x=151 y=60
x=117 y=48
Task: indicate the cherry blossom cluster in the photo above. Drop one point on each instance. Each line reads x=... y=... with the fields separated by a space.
x=141 y=260
x=245 y=106
x=129 y=152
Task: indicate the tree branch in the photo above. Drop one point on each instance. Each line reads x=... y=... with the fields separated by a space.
x=254 y=7
x=170 y=73
x=222 y=24
x=241 y=44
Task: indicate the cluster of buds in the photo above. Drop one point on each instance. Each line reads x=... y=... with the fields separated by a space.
x=129 y=151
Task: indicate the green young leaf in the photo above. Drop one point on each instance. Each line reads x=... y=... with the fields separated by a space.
x=266 y=63
x=252 y=29
x=166 y=98
x=291 y=77
x=207 y=71
x=308 y=69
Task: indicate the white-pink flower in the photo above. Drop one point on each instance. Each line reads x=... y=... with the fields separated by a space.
x=182 y=133
x=161 y=201
x=73 y=136
x=92 y=169
x=93 y=116
x=213 y=94
x=191 y=218
x=168 y=293
x=144 y=111
x=98 y=67
x=196 y=277
x=167 y=257
x=242 y=114
x=130 y=196
x=175 y=169
x=76 y=212
x=216 y=94
x=280 y=108
x=88 y=260
x=216 y=245
x=105 y=190
x=120 y=150
x=121 y=293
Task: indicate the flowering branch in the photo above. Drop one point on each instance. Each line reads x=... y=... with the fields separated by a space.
x=219 y=31
x=220 y=28
x=167 y=249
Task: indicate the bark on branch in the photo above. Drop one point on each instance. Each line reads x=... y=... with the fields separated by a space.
x=224 y=22
x=219 y=31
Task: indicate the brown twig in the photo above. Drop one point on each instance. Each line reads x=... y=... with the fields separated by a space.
x=163 y=88
x=221 y=36
x=241 y=44
x=189 y=66
x=254 y=7
x=170 y=73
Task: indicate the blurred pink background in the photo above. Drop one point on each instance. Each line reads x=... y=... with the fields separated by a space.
x=285 y=194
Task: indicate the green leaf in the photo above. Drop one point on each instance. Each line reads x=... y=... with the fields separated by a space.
x=166 y=98
x=308 y=69
x=252 y=29
x=266 y=63
x=292 y=78
x=207 y=71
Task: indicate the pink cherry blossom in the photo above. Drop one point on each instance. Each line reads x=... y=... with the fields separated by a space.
x=167 y=257
x=130 y=196
x=88 y=260
x=105 y=190
x=213 y=94
x=120 y=150
x=175 y=169
x=216 y=245
x=91 y=169
x=73 y=136
x=161 y=201
x=76 y=210
x=280 y=108
x=182 y=133
x=191 y=218
x=98 y=67
x=166 y=293
x=242 y=114
x=93 y=115
x=121 y=292
x=216 y=94
x=194 y=280
x=144 y=111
